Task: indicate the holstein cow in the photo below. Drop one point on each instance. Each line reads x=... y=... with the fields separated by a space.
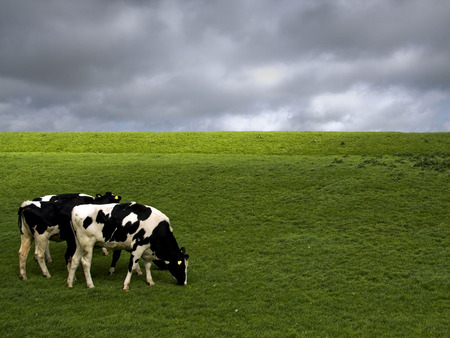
x=140 y=229
x=48 y=218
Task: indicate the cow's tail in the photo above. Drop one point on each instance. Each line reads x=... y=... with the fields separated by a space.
x=19 y=220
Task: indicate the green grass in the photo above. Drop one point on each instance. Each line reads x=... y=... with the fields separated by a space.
x=289 y=234
x=248 y=143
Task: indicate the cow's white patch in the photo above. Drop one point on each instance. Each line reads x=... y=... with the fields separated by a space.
x=130 y=218
x=46 y=198
x=52 y=232
x=26 y=203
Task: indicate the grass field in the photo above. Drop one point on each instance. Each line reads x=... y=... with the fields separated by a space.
x=289 y=234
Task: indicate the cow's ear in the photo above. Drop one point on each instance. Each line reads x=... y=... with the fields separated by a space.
x=116 y=197
x=186 y=256
x=183 y=250
x=99 y=196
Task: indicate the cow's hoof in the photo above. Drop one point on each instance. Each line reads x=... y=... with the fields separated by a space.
x=151 y=283
x=46 y=276
x=23 y=277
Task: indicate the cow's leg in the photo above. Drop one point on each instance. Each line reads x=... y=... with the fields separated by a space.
x=147 y=257
x=41 y=242
x=70 y=251
x=86 y=260
x=147 y=265
x=116 y=256
x=134 y=261
x=115 y=259
x=47 y=253
x=138 y=270
x=75 y=261
x=25 y=244
x=126 y=283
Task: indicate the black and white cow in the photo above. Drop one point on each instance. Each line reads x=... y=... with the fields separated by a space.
x=48 y=218
x=140 y=229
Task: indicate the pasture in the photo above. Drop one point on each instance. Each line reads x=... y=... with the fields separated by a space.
x=289 y=234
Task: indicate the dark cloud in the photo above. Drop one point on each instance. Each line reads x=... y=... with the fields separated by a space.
x=224 y=65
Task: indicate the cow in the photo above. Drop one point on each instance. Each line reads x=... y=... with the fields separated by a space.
x=48 y=218
x=143 y=230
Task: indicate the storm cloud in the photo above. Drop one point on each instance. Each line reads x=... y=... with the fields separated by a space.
x=341 y=65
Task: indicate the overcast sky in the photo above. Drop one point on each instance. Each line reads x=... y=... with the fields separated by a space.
x=192 y=65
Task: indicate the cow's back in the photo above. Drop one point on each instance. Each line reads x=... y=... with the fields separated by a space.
x=110 y=224
x=83 y=198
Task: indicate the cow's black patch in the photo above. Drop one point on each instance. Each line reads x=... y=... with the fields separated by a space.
x=143 y=212
x=140 y=239
x=71 y=198
x=165 y=247
x=101 y=217
x=40 y=218
x=114 y=230
x=87 y=221
x=163 y=242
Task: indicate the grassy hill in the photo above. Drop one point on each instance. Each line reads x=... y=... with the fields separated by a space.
x=248 y=143
x=289 y=234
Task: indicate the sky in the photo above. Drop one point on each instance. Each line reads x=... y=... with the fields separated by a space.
x=209 y=65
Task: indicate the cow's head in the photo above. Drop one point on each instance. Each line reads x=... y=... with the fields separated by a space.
x=108 y=197
x=178 y=267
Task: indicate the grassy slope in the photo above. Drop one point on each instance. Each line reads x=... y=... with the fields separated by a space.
x=250 y=143
x=339 y=238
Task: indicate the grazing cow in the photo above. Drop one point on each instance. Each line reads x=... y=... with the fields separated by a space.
x=48 y=218
x=140 y=229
